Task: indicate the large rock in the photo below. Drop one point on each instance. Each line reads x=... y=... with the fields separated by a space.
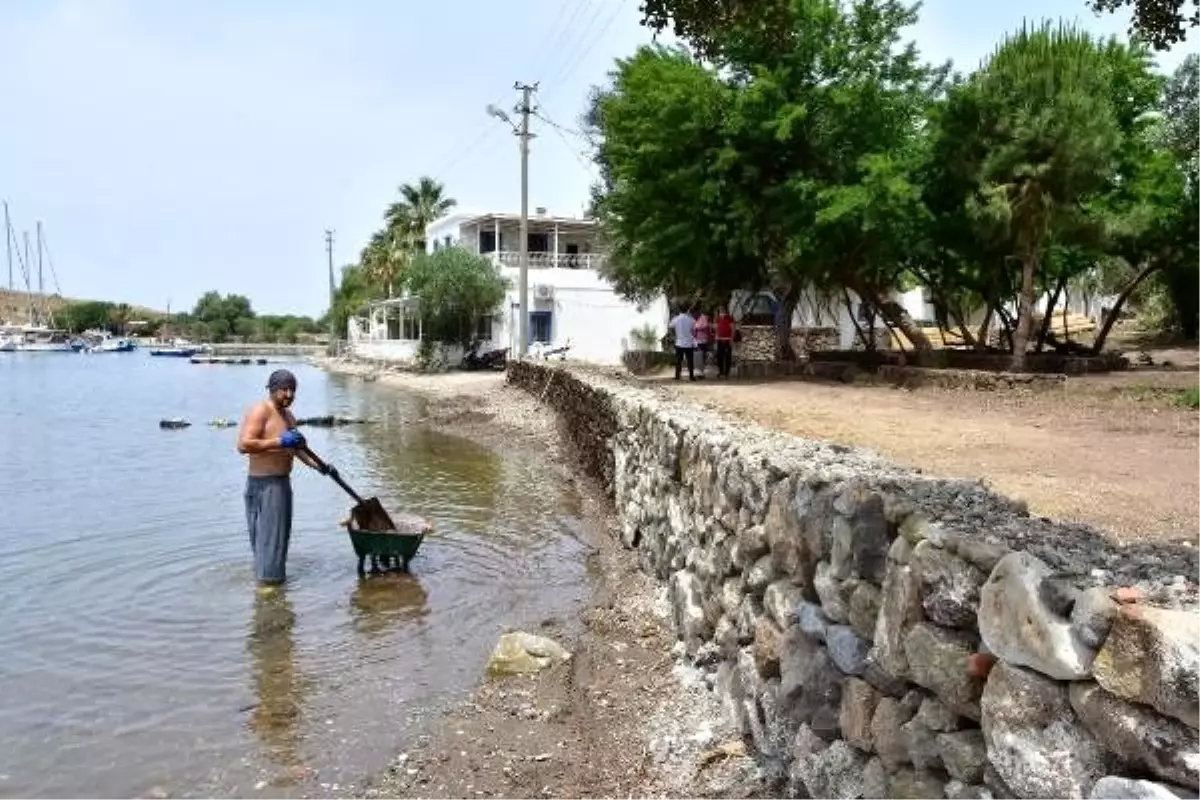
x=1021 y=623
x=810 y=690
x=519 y=652
x=848 y=651
x=888 y=737
x=833 y=771
x=859 y=699
x=1036 y=744
x=1093 y=615
x=915 y=784
x=860 y=536
x=864 y=609
x=1152 y=656
x=1164 y=746
x=949 y=585
x=1113 y=787
x=899 y=610
x=781 y=599
x=768 y=645
x=964 y=754
x=829 y=591
x=937 y=660
x=691 y=623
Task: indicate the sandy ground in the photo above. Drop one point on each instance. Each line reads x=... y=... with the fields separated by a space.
x=1112 y=450
x=622 y=717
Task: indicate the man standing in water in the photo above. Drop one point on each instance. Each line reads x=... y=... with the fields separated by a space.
x=270 y=439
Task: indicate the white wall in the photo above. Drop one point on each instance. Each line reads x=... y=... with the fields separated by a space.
x=385 y=349
x=584 y=311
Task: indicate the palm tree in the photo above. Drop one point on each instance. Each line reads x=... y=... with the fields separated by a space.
x=419 y=206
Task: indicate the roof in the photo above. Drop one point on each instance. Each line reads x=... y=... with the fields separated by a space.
x=503 y=216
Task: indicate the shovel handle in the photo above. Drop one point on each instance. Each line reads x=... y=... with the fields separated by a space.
x=321 y=465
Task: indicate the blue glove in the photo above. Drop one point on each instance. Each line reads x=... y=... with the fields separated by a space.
x=291 y=439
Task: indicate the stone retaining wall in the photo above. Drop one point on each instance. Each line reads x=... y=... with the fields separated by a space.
x=879 y=633
x=758 y=342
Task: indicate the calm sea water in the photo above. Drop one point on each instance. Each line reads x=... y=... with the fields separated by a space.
x=136 y=655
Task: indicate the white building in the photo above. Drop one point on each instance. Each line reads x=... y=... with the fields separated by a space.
x=570 y=303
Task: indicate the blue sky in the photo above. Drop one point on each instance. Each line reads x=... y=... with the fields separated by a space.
x=171 y=148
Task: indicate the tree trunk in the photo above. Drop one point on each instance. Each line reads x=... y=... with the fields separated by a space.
x=982 y=341
x=1151 y=267
x=1048 y=316
x=963 y=330
x=1024 y=314
x=783 y=324
x=862 y=337
x=894 y=314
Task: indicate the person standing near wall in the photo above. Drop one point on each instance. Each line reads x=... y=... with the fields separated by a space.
x=724 y=334
x=684 y=327
x=703 y=335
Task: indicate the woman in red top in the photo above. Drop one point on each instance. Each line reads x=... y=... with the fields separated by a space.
x=724 y=337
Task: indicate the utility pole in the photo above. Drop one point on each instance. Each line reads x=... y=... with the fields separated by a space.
x=332 y=287
x=524 y=110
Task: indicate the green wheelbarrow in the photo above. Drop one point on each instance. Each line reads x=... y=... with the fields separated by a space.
x=388 y=550
x=390 y=544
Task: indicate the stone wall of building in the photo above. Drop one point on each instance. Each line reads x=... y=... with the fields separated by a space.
x=879 y=633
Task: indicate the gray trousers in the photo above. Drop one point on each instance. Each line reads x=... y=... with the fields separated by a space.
x=269 y=519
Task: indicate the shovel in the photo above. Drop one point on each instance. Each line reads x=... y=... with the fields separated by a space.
x=367 y=515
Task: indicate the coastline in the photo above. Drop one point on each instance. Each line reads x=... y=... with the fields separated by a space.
x=625 y=716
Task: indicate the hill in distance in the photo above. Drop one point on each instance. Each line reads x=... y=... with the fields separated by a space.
x=14 y=306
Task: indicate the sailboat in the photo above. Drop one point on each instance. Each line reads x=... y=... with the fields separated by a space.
x=35 y=336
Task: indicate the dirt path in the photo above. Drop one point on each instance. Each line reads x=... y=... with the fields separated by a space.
x=1112 y=451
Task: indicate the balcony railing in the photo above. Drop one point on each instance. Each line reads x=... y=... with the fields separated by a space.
x=542 y=260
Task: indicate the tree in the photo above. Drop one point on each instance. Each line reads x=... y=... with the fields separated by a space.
x=666 y=217
x=88 y=315
x=419 y=206
x=454 y=288
x=1160 y=23
x=119 y=316
x=354 y=291
x=791 y=165
x=1042 y=108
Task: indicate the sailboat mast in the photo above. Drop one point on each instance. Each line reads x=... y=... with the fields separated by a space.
x=8 y=244
x=41 y=286
x=28 y=288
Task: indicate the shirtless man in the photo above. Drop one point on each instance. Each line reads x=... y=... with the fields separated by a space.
x=270 y=439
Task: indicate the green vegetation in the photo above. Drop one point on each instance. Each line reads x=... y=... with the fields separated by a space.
x=703 y=22
x=454 y=289
x=813 y=153
x=378 y=274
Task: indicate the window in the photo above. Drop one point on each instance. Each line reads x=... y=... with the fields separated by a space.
x=540 y=327
x=447 y=240
x=539 y=243
x=487 y=241
x=412 y=327
x=483 y=328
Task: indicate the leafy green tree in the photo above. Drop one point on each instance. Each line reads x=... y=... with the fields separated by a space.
x=1049 y=139
x=354 y=291
x=665 y=210
x=1161 y=23
x=454 y=288
x=88 y=314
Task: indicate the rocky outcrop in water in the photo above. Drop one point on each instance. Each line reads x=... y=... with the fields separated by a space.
x=877 y=632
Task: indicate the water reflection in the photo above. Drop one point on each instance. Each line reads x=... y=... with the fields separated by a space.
x=383 y=601
x=279 y=687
